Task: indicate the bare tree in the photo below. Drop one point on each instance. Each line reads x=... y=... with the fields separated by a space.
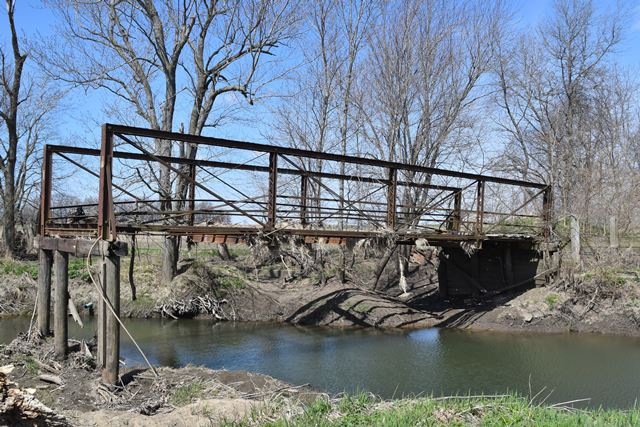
x=25 y=104
x=308 y=116
x=148 y=54
x=426 y=63
x=552 y=86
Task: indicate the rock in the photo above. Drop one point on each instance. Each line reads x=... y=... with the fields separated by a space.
x=526 y=316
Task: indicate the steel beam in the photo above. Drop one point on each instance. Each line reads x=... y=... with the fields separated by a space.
x=251 y=146
x=62 y=149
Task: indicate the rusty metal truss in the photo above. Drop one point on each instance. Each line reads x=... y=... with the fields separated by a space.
x=221 y=190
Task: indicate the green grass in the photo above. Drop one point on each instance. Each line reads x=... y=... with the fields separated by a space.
x=223 y=277
x=230 y=282
x=18 y=268
x=364 y=410
x=186 y=393
x=78 y=269
x=29 y=364
x=551 y=300
x=607 y=275
x=200 y=252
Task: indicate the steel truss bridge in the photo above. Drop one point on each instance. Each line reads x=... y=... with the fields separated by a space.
x=227 y=191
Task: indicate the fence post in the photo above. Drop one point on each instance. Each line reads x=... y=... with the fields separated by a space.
x=112 y=333
x=101 y=327
x=614 y=243
x=575 y=239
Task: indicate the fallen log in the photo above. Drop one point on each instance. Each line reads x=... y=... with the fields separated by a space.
x=54 y=379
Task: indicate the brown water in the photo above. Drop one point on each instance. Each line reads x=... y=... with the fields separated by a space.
x=428 y=361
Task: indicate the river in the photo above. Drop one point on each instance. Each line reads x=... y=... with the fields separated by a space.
x=393 y=363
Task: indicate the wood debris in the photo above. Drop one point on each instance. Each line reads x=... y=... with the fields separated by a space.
x=18 y=407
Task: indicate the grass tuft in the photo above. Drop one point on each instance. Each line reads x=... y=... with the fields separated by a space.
x=186 y=393
x=18 y=268
x=366 y=410
x=551 y=300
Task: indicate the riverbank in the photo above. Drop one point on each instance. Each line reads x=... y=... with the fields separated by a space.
x=607 y=302
x=603 y=298
x=48 y=392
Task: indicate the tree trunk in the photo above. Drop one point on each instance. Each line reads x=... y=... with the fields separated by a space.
x=9 y=221
x=223 y=250
x=382 y=264
x=170 y=258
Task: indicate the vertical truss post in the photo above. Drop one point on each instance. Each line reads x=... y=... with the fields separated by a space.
x=273 y=188
x=106 y=217
x=456 y=217
x=192 y=193
x=480 y=207
x=392 y=191
x=45 y=192
x=547 y=208
x=304 y=183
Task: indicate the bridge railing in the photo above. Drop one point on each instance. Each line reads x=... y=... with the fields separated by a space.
x=205 y=187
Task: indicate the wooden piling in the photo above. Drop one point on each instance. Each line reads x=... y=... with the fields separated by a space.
x=61 y=333
x=112 y=336
x=101 y=319
x=44 y=292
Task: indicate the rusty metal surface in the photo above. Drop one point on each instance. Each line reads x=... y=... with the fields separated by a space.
x=232 y=201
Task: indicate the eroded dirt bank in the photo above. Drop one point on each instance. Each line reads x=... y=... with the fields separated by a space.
x=604 y=299
x=579 y=305
x=35 y=389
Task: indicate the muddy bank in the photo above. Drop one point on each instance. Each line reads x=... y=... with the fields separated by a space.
x=568 y=305
x=71 y=392
x=239 y=290
x=234 y=291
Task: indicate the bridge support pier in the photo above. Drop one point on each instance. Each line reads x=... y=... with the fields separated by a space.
x=108 y=328
x=44 y=291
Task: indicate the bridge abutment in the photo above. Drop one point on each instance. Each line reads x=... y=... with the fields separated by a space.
x=494 y=268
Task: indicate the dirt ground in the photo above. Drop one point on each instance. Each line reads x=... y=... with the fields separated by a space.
x=178 y=397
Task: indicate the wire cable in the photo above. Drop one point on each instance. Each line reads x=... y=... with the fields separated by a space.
x=113 y=311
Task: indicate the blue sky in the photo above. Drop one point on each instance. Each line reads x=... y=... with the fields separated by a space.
x=79 y=122
x=82 y=110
